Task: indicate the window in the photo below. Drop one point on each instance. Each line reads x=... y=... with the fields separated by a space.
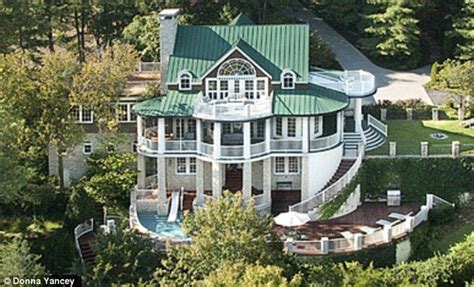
x=125 y=114
x=82 y=114
x=134 y=146
x=317 y=128
x=260 y=88
x=185 y=165
x=192 y=165
x=87 y=148
x=185 y=81
x=291 y=124
x=226 y=128
x=212 y=89
x=236 y=67
x=279 y=126
x=224 y=89
x=249 y=92
x=236 y=86
x=280 y=165
x=258 y=129
x=288 y=80
x=191 y=126
x=287 y=165
x=293 y=166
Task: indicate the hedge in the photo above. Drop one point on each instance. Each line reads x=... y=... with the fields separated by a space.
x=444 y=177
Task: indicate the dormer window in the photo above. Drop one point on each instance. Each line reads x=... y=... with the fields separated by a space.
x=288 y=80
x=185 y=81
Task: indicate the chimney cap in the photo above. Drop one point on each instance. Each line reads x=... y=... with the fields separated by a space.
x=169 y=12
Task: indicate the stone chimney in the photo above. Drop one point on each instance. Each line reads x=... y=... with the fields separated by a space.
x=168 y=30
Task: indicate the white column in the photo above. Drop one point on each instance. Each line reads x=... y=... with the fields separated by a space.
x=358 y=241
x=387 y=233
x=325 y=245
x=305 y=134
x=139 y=130
x=268 y=134
x=141 y=169
x=161 y=136
x=217 y=140
x=198 y=135
x=247 y=180
x=199 y=179
x=162 y=207
x=247 y=140
x=304 y=177
x=358 y=114
x=339 y=125
x=267 y=180
x=216 y=179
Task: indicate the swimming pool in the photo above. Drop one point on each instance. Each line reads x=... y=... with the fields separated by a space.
x=161 y=226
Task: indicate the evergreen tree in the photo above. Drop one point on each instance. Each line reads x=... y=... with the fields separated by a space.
x=342 y=13
x=144 y=34
x=16 y=259
x=464 y=27
x=392 y=32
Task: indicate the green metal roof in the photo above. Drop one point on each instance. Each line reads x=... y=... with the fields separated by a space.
x=241 y=19
x=198 y=48
x=174 y=104
x=313 y=100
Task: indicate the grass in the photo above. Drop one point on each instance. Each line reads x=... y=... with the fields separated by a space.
x=409 y=134
x=455 y=231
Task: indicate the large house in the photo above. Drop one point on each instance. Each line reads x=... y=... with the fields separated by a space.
x=241 y=109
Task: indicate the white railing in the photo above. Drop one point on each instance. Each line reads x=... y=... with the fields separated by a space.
x=82 y=229
x=378 y=125
x=180 y=145
x=324 y=143
x=149 y=67
x=258 y=149
x=333 y=190
x=438 y=200
x=234 y=108
x=353 y=83
x=232 y=151
x=286 y=144
x=207 y=149
x=379 y=236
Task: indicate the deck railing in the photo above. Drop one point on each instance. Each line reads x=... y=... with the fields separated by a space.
x=358 y=241
x=324 y=142
x=333 y=190
x=378 y=125
x=82 y=229
x=353 y=83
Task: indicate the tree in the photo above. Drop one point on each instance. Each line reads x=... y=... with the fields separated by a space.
x=464 y=27
x=122 y=258
x=111 y=176
x=144 y=34
x=101 y=81
x=223 y=231
x=16 y=259
x=343 y=13
x=241 y=274
x=228 y=13
x=393 y=33
x=320 y=55
x=458 y=78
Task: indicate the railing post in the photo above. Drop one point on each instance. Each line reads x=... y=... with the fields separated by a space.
x=410 y=223
x=424 y=149
x=393 y=149
x=424 y=211
x=358 y=241
x=409 y=114
x=435 y=114
x=387 y=233
x=455 y=149
x=429 y=201
x=383 y=114
x=289 y=245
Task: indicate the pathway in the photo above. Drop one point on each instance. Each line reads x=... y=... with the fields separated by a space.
x=391 y=85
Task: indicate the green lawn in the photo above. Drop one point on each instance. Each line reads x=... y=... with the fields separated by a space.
x=409 y=134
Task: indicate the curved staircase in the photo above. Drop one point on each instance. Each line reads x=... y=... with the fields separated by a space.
x=344 y=166
x=373 y=138
x=84 y=236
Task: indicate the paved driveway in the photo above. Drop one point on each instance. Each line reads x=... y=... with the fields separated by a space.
x=392 y=85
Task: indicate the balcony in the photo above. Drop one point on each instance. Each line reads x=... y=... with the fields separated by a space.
x=236 y=107
x=353 y=83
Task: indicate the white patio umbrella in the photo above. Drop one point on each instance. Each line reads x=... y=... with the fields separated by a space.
x=291 y=219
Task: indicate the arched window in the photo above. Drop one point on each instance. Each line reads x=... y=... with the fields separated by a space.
x=185 y=81
x=288 y=80
x=236 y=68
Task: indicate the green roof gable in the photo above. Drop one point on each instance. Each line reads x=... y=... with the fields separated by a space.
x=198 y=48
x=313 y=100
x=174 y=104
x=241 y=19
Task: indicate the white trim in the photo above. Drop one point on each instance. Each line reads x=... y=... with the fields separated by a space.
x=129 y=112
x=283 y=73
x=81 y=115
x=223 y=58
x=87 y=143
x=181 y=74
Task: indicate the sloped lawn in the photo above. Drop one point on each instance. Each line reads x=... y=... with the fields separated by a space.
x=409 y=134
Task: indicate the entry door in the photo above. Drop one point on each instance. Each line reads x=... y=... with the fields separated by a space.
x=237 y=87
